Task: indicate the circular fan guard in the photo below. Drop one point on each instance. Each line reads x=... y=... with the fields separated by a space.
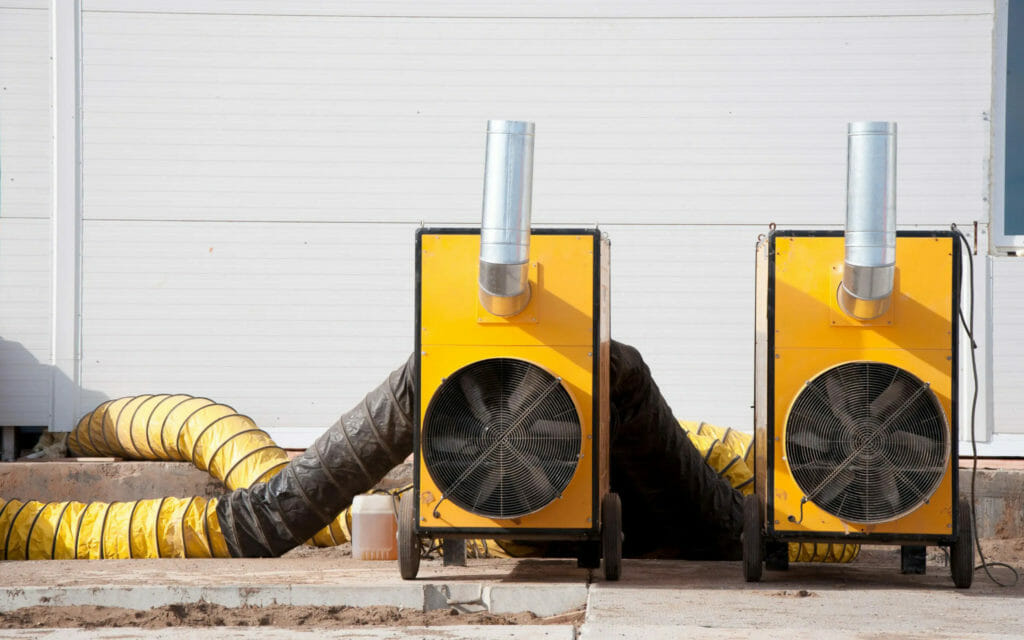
x=501 y=438
x=867 y=441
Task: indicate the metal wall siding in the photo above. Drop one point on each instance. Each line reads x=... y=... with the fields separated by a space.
x=214 y=117
x=289 y=323
x=684 y=296
x=576 y=9
x=25 y=139
x=1008 y=354
x=25 y=374
x=25 y=154
x=253 y=181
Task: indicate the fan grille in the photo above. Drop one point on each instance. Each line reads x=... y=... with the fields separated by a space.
x=501 y=438
x=867 y=441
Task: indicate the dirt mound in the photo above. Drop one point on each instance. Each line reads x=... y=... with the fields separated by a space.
x=204 y=614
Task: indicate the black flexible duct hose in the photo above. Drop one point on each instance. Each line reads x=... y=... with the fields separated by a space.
x=365 y=443
x=674 y=505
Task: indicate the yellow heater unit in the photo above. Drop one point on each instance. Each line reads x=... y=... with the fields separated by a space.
x=511 y=404
x=855 y=403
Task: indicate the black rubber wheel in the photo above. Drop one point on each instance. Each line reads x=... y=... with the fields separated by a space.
x=408 y=541
x=753 y=546
x=961 y=552
x=611 y=536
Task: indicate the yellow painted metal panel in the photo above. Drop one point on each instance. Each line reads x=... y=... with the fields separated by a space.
x=561 y=309
x=554 y=332
x=793 y=368
x=805 y=269
x=810 y=338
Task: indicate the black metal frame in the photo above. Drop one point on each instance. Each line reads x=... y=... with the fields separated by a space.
x=954 y=420
x=592 y=533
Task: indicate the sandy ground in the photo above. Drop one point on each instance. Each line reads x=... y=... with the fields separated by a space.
x=203 y=614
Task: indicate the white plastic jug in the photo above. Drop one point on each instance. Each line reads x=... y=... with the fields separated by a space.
x=374 y=527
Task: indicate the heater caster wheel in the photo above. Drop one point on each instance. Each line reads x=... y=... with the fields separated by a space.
x=961 y=552
x=753 y=545
x=611 y=536
x=408 y=541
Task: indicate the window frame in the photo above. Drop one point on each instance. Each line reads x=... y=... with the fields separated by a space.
x=1001 y=242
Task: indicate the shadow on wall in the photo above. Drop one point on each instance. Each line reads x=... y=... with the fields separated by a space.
x=25 y=393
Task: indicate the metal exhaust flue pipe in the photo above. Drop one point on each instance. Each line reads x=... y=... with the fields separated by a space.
x=870 y=239
x=505 y=225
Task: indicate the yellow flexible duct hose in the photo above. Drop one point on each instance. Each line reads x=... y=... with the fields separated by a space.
x=730 y=453
x=160 y=528
x=211 y=436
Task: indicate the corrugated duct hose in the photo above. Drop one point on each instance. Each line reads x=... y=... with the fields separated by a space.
x=211 y=436
x=673 y=505
x=730 y=454
x=270 y=518
x=275 y=505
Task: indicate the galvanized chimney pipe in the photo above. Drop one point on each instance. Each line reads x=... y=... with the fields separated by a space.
x=870 y=261
x=505 y=226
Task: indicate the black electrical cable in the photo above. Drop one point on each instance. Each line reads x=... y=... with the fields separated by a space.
x=969 y=328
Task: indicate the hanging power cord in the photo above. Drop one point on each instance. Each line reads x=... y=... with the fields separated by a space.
x=969 y=328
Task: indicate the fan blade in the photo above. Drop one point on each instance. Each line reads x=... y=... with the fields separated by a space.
x=890 y=400
x=454 y=445
x=525 y=391
x=835 y=487
x=476 y=400
x=886 y=490
x=534 y=492
x=465 y=426
x=532 y=466
x=487 y=480
x=917 y=452
x=809 y=440
x=837 y=400
x=554 y=429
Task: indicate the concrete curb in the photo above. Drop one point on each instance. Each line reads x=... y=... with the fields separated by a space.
x=541 y=600
x=652 y=632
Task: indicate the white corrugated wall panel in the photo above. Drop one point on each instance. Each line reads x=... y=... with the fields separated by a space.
x=576 y=9
x=217 y=145
x=289 y=323
x=25 y=155
x=684 y=297
x=1008 y=354
x=25 y=373
x=25 y=139
x=736 y=121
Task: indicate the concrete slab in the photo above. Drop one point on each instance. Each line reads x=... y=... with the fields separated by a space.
x=655 y=599
x=485 y=632
x=57 y=480
x=542 y=587
x=690 y=632
x=1000 y=500
x=669 y=599
x=122 y=480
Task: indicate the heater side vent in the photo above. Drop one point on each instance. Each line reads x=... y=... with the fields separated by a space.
x=501 y=438
x=867 y=442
